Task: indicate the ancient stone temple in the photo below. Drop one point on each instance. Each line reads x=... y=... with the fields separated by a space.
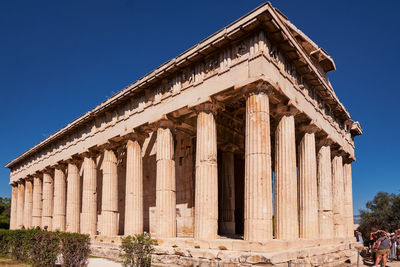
x=237 y=151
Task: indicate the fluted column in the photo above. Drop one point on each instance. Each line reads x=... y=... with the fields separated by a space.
x=338 y=197
x=109 y=204
x=37 y=202
x=286 y=214
x=20 y=204
x=165 y=183
x=14 y=205
x=258 y=174
x=89 y=196
x=308 y=194
x=28 y=204
x=206 y=192
x=325 y=209
x=59 y=209
x=73 y=198
x=134 y=189
x=48 y=193
x=348 y=200
x=227 y=204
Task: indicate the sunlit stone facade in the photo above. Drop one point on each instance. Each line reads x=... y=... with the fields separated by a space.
x=238 y=141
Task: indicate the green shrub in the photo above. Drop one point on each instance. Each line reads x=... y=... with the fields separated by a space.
x=41 y=248
x=45 y=248
x=137 y=250
x=21 y=244
x=4 y=242
x=75 y=249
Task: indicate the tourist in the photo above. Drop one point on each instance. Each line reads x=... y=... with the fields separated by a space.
x=397 y=241
x=393 y=249
x=382 y=245
x=371 y=245
x=359 y=237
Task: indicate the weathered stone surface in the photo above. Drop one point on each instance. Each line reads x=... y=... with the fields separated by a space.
x=73 y=198
x=165 y=184
x=59 y=208
x=206 y=194
x=286 y=215
x=37 y=202
x=89 y=197
x=28 y=202
x=258 y=174
x=48 y=193
x=13 y=212
x=134 y=189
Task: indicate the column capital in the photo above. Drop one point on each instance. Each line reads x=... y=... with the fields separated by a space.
x=285 y=109
x=90 y=153
x=256 y=89
x=325 y=141
x=308 y=128
x=74 y=159
x=210 y=106
x=61 y=165
x=48 y=170
x=339 y=152
x=348 y=159
x=138 y=136
x=229 y=147
x=29 y=178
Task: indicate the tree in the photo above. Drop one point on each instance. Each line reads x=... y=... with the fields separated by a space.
x=5 y=204
x=382 y=213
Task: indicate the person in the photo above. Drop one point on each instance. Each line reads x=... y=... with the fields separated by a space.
x=397 y=241
x=372 y=240
x=359 y=237
x=393 y=249
x=382 y=245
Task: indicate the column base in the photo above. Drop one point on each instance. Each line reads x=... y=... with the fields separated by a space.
x=109 y=223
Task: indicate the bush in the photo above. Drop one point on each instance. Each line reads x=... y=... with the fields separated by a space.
x=21 y=243
x=75 y=249
x=137 y=250
x=41 y=248
x=4 y=242
x=45 y=248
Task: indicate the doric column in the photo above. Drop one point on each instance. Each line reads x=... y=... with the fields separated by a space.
x=73 y=197
x=286 y=214
x=37 y=201
x=258 y=174
x=89 y=196
x=20 y=204
x=325 y=208
x=206 y=192
x=134 y=189
x=348 y=200
x=308 y=194
x=165 y=183
x=227 y=204
x=28 y=204
x=338 y=197
x=60 y=196
x=48 y=193
x=14 y=205
x=109 y=203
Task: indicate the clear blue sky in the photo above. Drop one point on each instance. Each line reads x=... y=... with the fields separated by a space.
x=59 y=59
